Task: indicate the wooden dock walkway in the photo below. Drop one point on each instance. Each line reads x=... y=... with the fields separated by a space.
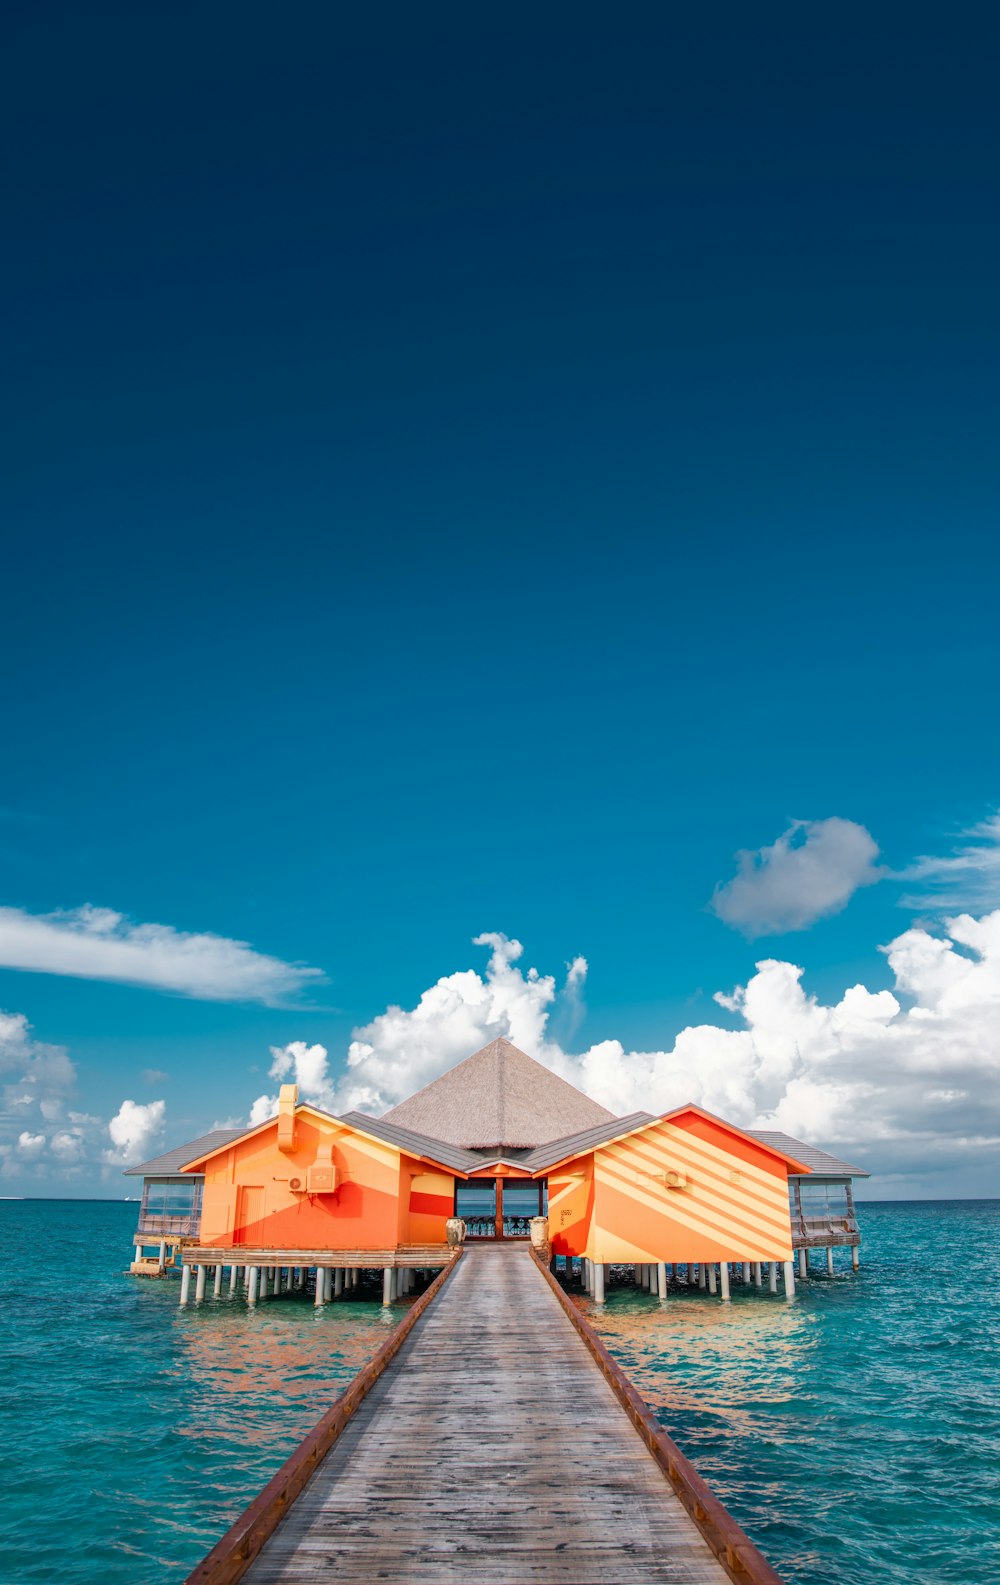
x=492 y=1451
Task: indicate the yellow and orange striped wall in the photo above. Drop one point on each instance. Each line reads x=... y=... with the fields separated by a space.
x=688 y=1187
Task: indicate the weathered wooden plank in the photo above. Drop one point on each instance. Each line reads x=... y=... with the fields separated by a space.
x=249 y=1255
x=490 y=1452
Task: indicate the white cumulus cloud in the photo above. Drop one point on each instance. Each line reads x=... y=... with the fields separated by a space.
x=134 y=1130
x=906 y=1081
x=301 y=1064
x=811 y=871
x=99 y=944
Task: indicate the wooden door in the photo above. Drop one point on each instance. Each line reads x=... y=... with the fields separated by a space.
x=249 y=1227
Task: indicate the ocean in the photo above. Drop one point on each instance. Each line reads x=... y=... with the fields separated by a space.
x=855 y=1434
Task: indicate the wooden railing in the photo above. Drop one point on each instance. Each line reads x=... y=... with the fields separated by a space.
x=156 y=1226
x=230 y=1558
x=731 y=1545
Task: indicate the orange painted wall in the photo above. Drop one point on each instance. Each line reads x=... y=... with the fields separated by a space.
x=571 y=1206
x=430 y=1202
x=733 y=1203
x=383 y=1199
x=248 y=1200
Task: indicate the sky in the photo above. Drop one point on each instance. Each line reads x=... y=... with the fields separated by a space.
x=498 y=535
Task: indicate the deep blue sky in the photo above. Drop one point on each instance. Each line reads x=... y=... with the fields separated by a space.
x=474 y=471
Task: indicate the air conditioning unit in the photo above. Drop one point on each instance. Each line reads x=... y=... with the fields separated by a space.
x=297 y=1185
x=321 y=1179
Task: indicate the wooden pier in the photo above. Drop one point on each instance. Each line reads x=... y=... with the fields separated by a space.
x=494 y=1443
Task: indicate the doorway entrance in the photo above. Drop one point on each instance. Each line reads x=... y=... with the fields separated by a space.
x=500 y=1207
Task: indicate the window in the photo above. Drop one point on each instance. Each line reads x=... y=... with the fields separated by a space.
x=171 y=1205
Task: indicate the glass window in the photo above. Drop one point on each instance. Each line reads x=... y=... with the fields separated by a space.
x=822 y=1200
x=520 y=1198
x=476 y=1198
x=172 y=1197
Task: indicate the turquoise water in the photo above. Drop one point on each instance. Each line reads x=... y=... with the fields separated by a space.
x=132 y=1432
x=855 y=1434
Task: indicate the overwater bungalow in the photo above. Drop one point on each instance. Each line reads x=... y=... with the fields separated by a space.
x=500 y=1148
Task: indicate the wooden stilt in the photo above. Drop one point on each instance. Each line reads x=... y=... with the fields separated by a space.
x=185 y=1283
x=789 y=1266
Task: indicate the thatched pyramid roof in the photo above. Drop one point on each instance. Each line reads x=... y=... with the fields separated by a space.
x=498 y=1097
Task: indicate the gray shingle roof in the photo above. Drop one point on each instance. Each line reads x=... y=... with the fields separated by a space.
x=413 y=1143
x=174 y=1160
x=588 y=1139
x=822 y=1164
x=499 y=1097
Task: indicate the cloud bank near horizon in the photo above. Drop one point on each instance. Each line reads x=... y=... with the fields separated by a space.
x=903 y=1080
x=42 y=1134
x=99 y=944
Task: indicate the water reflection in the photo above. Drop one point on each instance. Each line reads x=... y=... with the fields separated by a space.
x=282 y=1360
x=740 y=1364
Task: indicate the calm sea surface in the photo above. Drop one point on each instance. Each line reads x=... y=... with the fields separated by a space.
x=855 y=1434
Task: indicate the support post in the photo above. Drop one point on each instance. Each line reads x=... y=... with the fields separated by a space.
x=803 y=1264
x=253 y=1279
x=185 y=1283
x=702 y=1274
x=338 y=1282
x=199 y=1286
x=320 y=1288
x=829 y=1261
x=217 y=1285
x=724 y=1281
x=772 y=1276
x=758 y=1276
x=387 y=1285
x=855 y=1257
x=661 y=1280
x=234 y=1277
x=789 y=1279
x=746 y=1271
x=711 y=1277
x=163 y=1254
x=598 y=1282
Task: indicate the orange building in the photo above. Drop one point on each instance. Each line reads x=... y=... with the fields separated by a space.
x=495 y=1142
